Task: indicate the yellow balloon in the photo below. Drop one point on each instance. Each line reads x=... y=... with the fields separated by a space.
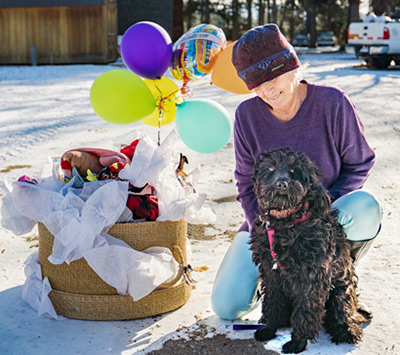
x=167 y=96
x=224 y=74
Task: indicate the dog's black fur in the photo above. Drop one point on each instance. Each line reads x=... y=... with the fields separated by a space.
x=312 y=281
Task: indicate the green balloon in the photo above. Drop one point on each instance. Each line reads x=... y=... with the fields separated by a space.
x=203 y=125
x=121 y=97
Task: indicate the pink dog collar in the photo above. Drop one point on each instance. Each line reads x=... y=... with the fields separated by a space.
x=271 y=232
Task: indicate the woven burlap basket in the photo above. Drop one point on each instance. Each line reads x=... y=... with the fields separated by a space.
x=78 y=292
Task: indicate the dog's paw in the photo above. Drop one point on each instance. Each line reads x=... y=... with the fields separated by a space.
x=264 y=334
x=294 y=346
x=345 y=338
x=345 y=334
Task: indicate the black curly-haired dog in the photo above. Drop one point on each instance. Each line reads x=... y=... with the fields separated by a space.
x=307 y=274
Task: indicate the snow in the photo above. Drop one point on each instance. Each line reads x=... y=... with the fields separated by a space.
x=45 y=110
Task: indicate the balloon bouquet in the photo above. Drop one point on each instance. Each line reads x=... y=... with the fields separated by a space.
x=123 y=97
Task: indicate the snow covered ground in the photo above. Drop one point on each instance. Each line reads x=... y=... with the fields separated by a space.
x=45 y=110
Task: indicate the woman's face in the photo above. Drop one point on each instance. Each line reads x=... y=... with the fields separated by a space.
x=279 y=92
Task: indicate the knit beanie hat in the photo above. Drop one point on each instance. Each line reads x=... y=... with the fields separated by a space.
x=262 y=54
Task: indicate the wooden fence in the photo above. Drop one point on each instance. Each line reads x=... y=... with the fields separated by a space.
x=58 y=32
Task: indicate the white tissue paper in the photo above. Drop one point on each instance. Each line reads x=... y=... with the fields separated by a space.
x=149 y=268
x=79 y=219
x=36 y=291
x=156 y=166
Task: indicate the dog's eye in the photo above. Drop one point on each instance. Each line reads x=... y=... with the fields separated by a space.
x=271 y=168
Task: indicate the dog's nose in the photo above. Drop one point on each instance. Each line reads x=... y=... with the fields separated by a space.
x=282 y=185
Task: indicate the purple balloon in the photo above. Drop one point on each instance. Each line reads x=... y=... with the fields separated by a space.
x=146 y=49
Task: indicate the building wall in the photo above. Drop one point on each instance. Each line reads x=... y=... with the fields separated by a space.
x=45 y=34
x=132 y=11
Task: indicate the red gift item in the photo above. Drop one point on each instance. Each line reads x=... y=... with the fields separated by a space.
x=129 y=150
x=143 y=206
x=116 y=167
x=65 y=165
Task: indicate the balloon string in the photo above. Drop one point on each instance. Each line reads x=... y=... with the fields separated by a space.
x=161 y=109
x=159 y=127
x=202 y=84
x=161 y=101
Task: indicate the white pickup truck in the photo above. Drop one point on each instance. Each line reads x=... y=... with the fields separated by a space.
x=376 y=40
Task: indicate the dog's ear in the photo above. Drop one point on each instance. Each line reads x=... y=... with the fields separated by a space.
x=318 y=197
x=259 y=166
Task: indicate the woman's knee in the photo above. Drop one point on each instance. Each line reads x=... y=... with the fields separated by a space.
x=235 y=284
x=360 y=214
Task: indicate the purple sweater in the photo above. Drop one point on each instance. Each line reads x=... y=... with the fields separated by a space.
x=326 y=128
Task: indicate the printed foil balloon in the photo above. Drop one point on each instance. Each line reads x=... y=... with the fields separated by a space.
x=195 y=52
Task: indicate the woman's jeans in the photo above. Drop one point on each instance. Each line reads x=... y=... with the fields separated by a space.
x=234 y=291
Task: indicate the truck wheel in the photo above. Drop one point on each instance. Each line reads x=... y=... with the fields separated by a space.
x=380 y=62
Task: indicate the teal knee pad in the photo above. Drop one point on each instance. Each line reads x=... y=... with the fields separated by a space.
x=360 y=214
x=235 y=284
